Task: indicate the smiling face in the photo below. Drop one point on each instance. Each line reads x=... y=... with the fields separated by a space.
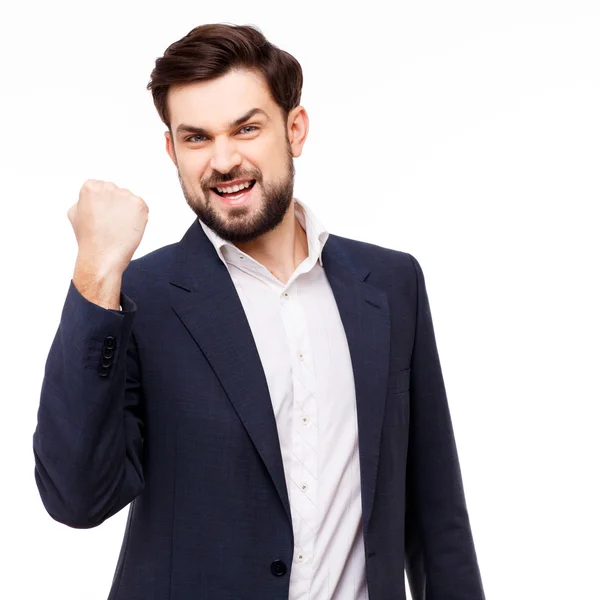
x=234 y=153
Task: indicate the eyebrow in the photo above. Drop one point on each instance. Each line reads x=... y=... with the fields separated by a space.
x=183 y=128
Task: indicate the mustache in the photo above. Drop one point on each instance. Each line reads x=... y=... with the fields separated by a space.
x=231 y=176
x=226 y=178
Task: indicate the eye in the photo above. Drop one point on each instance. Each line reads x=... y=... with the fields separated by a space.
x=198 y=135
x=248 y=129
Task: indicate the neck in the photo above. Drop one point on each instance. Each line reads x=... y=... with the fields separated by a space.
x=282 y=249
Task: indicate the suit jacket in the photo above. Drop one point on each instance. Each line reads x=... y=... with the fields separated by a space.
x=165 y=405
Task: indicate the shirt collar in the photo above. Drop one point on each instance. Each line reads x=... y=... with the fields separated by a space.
x=316 y=234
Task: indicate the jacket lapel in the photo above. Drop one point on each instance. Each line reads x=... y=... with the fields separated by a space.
x=205 y=299
x=364 y=312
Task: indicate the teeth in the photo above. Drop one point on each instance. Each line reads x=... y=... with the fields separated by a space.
x=235 y=188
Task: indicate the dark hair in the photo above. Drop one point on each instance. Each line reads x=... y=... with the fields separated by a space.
x=212 y=50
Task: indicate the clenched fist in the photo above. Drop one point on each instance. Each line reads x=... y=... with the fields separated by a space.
x=109 y=223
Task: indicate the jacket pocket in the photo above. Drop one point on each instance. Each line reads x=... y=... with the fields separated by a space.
x=399 y=380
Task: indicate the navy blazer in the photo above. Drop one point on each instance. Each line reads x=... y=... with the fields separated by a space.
x=165 y=405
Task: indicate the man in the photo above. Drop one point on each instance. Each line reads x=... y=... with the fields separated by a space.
x=267 y=396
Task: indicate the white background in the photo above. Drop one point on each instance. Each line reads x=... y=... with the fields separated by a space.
x=465 y=133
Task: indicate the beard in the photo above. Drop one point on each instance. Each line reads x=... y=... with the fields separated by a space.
x=244 y=224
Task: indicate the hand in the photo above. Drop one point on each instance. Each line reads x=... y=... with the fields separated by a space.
x=109 y=224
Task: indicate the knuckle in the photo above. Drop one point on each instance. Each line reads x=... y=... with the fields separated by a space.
x=140 y=202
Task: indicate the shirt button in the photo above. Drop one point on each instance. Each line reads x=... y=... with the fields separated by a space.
x=304 y=487
x=300 y=357
x=300 y=557
x=305 y=421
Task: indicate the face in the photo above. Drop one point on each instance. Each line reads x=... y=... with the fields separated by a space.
x=234 y=153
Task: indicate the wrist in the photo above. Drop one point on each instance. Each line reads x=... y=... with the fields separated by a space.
x=98 y=283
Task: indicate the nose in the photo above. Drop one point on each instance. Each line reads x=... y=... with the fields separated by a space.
x=225 y=156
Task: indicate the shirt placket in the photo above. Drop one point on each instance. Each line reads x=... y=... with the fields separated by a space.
x=303 y=487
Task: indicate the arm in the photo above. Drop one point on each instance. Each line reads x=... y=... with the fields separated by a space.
x=441 y=563
x=88 y=441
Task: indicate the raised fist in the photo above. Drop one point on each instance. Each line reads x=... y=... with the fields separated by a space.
x=109 y=224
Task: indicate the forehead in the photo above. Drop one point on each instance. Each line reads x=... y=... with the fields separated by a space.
x=217 y=103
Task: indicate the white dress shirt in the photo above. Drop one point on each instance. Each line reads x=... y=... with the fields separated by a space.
x=304 y=353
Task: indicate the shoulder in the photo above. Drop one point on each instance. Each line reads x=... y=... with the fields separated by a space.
x=149 y=269
x=380 y=260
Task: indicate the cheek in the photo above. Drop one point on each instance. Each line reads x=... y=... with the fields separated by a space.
x=193 y=168
x=272 y=165
x=268 y=154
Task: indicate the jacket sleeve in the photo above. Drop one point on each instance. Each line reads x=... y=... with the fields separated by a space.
x=88 y=441
x=441 y=562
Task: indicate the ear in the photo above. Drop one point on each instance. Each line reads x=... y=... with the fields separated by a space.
x=171 y=147
x=297 y=129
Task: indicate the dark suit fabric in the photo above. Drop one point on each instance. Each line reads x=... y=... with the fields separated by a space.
x=165 y=405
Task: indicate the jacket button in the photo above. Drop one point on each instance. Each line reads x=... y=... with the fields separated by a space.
x=278 y=568
x=107 y=353
x=109 y=342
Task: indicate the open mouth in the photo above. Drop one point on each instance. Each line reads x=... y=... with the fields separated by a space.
x=235 y=191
